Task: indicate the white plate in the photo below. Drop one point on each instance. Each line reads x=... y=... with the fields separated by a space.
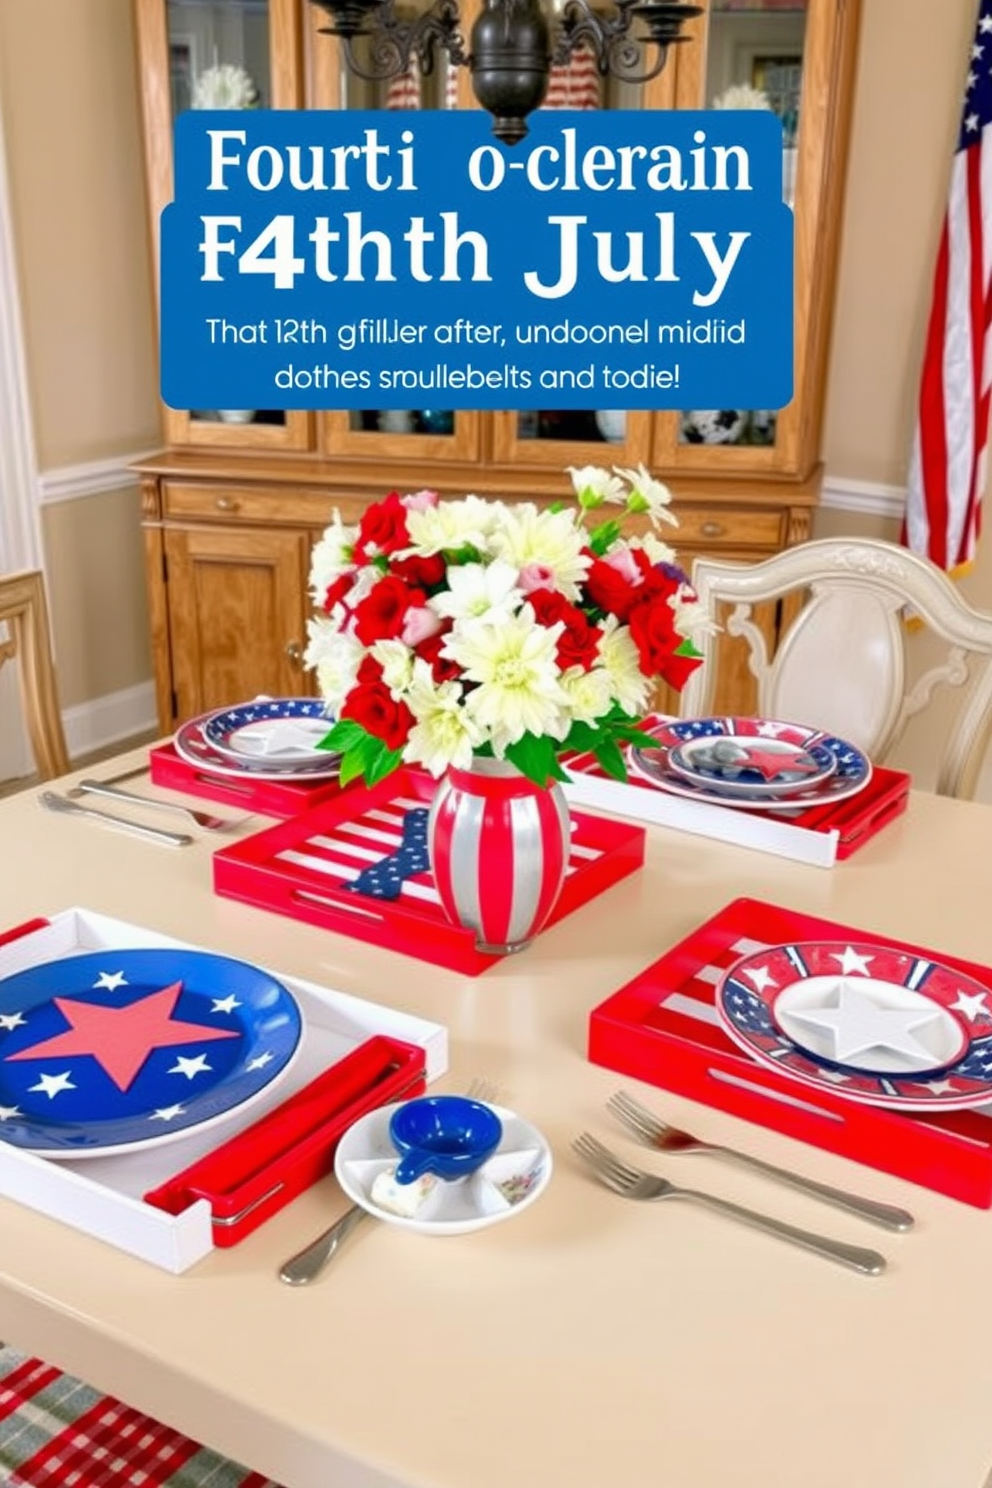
x=472 y=1203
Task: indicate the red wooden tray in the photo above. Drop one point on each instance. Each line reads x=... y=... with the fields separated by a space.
x=301 y=867
x=663 y=1028
x=263 y=1167
x=269 y=797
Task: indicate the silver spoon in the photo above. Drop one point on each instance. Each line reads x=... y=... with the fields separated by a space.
x=200 y=818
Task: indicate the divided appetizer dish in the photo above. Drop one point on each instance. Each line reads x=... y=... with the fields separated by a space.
x=501 y=1185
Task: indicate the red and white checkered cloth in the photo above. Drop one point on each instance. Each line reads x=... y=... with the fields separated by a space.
x=56 y=1432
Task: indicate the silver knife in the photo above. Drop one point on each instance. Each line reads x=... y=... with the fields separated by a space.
x=55 y=802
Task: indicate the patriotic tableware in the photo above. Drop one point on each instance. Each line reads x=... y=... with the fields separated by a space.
x=871 y=1023
x=271 y=732
x=191 y=746
x=512 y=1179
x=115 y=1050
x=738 y=762
x=851 y=773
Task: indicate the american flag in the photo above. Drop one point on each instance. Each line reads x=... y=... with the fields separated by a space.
x=947 y=464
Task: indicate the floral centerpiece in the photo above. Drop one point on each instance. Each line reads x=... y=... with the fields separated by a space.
x=455 y=629
x=225 y=85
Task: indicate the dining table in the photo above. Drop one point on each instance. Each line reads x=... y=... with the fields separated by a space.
x=589 y=1340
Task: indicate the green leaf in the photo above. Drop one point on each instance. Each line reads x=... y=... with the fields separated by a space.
x=352 y=766
x=382 y=763
x=602 y=538
x=688 y=648
x=610 y=757
x=536 y=757
x=345 y=734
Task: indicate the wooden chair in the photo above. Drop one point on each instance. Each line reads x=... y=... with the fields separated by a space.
x=23 y=607
x=846 y=610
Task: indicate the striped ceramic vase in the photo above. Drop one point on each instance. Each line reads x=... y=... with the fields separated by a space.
x=499 y=848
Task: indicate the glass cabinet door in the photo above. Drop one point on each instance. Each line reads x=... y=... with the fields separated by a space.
x=428 y=433
x=230 y=54
x=796 y=58
x=556 y=437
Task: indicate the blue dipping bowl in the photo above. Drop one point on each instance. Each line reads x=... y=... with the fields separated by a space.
x=447 y=1135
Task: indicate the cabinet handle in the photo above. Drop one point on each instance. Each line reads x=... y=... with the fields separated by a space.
x=227 y=503
x=295 y=653
x=712 y=529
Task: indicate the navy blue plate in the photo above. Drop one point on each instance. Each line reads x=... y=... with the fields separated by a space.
x=113 y=1050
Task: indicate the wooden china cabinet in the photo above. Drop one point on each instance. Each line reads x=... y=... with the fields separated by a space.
x=234 y=502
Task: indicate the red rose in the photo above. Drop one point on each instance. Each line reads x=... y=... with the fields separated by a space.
x=652 y=629
x=338 y=591
x=382 y=529
x=442 y=667
x=423 y=573
x=369 y=670
x=379 y=713
x=380 y=615
x=609 y=590
x=578 y=641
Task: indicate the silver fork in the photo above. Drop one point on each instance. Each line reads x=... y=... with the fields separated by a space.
x=658 y=1134
x=632 y=1183
x=106 y=788
x=309 y=1262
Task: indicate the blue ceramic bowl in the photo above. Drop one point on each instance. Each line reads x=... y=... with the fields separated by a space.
x=447 y=1135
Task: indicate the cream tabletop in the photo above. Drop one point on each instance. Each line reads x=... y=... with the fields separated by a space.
x=590 y=1340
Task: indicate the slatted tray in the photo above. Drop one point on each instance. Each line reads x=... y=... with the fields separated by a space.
x=663 y=1028
x=302 y=868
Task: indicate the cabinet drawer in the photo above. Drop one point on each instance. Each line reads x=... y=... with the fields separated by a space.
x=280 y=506
x=714 y=527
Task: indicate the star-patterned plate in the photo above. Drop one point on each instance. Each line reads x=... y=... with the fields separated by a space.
x=191 y=745
x=109 y=1051
x=870 y=1023
x=275 y=733
x=844 y=769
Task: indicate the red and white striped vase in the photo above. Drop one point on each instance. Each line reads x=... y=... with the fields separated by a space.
x=499 y=847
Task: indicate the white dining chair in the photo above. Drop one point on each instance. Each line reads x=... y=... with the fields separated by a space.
x=28 y=645
x=828 y=625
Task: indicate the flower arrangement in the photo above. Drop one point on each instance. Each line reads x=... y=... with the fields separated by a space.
x=225 y=86
x=448 y=629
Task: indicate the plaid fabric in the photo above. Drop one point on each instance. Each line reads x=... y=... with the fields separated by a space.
x=56 y=1432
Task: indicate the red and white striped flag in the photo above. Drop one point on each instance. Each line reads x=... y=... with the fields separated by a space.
x=948 y=461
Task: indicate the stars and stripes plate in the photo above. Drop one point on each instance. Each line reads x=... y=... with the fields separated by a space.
x=192 y=745
x=110 y=1051
x=771 y=760
x=274 y=733
x=870 y=1023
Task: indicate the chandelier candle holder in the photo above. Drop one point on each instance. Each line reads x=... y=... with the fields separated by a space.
x=513 y=47
x=482 y=640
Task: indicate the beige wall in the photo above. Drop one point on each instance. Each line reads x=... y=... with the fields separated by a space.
x=70 y=112
x=68 y=92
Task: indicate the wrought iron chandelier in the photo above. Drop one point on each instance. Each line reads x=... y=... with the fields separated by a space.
x=512 y=45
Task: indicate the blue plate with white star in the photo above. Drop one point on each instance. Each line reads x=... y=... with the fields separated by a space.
x=681 y=760
x=869 y=1023
x=113 y=1050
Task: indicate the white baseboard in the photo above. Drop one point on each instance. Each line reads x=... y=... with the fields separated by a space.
x=95 y=478
x=109 y=719
x=871 y=497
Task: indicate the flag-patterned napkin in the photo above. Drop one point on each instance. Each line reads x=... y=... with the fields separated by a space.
x=57 y=1432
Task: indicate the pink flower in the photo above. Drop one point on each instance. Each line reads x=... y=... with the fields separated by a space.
x=534 y=576
x=419 y=624
x=420 y=500
x=626 y=565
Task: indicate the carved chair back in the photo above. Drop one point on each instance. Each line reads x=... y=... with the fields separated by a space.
x=23 y=609
x=847 y=609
